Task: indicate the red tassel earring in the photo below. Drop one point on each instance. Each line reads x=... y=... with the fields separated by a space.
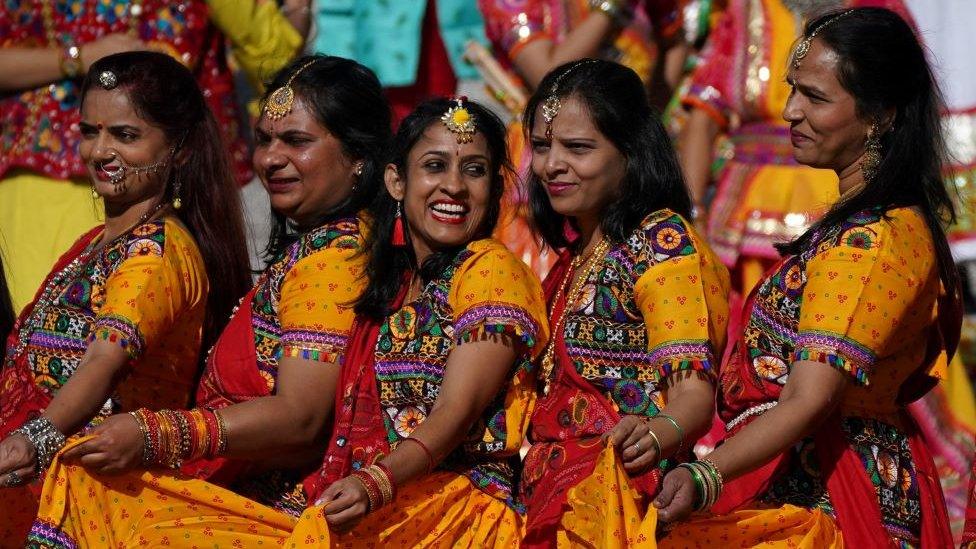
x=399 y=239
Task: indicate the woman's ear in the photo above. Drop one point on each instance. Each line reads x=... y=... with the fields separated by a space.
x=395 y=185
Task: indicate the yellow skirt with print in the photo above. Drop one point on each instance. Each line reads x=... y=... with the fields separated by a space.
x=157 y=508
x=604 y=512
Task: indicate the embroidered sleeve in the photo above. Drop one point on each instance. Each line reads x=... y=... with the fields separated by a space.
x=868 y=290
x=315 y=307
x=682 y=295
x=161 y=277
x=511 y=25
x=493 y=292
x=710 y=89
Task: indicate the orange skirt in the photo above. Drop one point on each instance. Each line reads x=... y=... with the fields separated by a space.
x=605 y=511
x=443 y=510
x=155 y=508
x=787 y=527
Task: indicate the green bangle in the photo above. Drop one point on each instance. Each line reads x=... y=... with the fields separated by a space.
x=681 y=432
x=699 y=483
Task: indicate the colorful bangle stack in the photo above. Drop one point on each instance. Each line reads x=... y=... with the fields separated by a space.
x=378 y=482
x=171 y=437
x=430 y=456
x=709 y=481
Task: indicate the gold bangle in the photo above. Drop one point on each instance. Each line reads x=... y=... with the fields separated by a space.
x=657 y=443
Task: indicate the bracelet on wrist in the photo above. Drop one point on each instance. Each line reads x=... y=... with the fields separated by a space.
x=45 y=437
x=69 y=61
x=174 y=436
x=378 y=482
x=617 y=10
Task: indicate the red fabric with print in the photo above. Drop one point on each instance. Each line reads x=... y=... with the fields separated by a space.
x=20 y=397
x=359 y=436
x=851 y=492
x=231 y=376
x=566 y=430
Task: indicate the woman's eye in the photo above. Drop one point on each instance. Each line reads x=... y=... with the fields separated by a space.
x=476 y=170
x=88 y=131
x=434 y=165
x=540 y=146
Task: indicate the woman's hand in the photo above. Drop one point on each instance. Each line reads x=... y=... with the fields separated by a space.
x=18 y=461
x=631 y=437
x=117 y=42
x=677 y=498
x=118 y=446
x=346 y=503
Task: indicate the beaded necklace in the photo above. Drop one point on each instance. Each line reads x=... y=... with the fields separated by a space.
x=55 y=286
x=549 y=357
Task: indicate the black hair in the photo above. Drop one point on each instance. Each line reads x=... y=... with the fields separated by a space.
x=346 y=99
x=883 y=66
x=7 y=317
x=617 y=100
x=389 y=264
x=164 y=93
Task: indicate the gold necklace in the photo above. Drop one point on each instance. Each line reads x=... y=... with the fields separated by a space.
x=548 y=365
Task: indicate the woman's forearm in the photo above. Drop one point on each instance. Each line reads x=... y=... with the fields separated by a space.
x=77 y=402
x=812 y=393
x=440 y=433
x=695 y=153
x=26 y=68
x=537 y=58
x=274 y=423
x=691 y=404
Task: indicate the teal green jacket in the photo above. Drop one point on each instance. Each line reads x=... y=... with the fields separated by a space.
x=384 y=35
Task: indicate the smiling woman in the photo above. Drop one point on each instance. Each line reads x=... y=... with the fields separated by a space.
x=438 y=389
x=637 y=308
x=854 y=323
x=118 y=323
x=265 y=396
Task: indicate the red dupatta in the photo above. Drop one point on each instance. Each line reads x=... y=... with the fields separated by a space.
x=20 y=397
x=231 y=376
x=359 y=435
x=852 y=495
x=566 y=428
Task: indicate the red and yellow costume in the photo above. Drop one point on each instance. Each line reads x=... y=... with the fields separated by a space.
x=147 y=291
x=865 y=298
x=655 y=306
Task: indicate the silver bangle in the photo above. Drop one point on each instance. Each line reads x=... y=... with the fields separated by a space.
x=45 y=437
x=617 y=10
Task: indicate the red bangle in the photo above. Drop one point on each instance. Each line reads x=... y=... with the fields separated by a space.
x=389 y=479
x=373 y=493
x=430 y=457
x=213 y=432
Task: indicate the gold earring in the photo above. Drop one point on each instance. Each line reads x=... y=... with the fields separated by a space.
x=872 y=153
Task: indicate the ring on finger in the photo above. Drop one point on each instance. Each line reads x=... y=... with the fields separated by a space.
x=12 y=479
x=637 y=446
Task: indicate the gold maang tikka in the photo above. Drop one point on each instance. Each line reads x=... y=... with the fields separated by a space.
x=281 y=101
x=552 y=104
x=803 y=47
x=460 y=121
